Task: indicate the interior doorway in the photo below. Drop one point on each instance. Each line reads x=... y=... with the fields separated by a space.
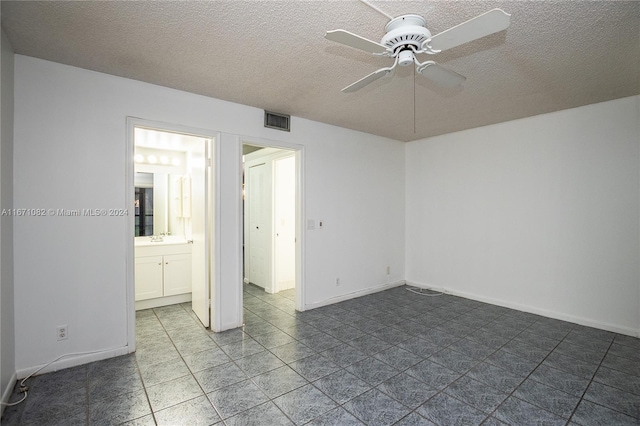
x=171 y=189
x=270 y=215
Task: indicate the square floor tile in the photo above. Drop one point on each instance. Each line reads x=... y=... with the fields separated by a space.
x=342 y=386
x=264 y=414
x=259 y=363
x=314 y=367
x=414 y=419
x=398 y=358
x=369 y=344
x=337 y=416
x=372 y=371
x=591 y=414
x=580 y=352
x=561 y=380
x=434 y=375
x=453 y=360
x=206 y=359
x=613 y=398
x=238 y=397
x=195 y=412
x=275 y=339
x=571 y=365
x=510 y=362
x=320 y=342
x=546 y=397
x=525 y=350
x=477 y=394
x=472 y=349
x=292 y=352
x=163 y=372
x=173 y=392
x=219 y=376
x=119 y=409
x=407 y=390
x=345 y=333
x=500 y=379
x=443 y=409
x=622 y=364
x=376 y=408
x=304 y=404
x=229 y=336
x=243 y=348
x=518 y=412
x=279 y=381
x=344 y=355
x=618 y=380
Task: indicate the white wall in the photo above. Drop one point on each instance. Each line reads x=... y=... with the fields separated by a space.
x=540 y=214
x=7 y=322
x=70 y=153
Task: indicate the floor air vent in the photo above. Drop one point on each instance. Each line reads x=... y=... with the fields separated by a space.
x=277 y=121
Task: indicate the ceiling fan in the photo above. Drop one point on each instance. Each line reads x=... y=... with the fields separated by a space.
x=407 y=36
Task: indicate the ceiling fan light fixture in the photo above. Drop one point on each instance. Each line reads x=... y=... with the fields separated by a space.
x=405 y=58
x=405 y=30
x=407 y=35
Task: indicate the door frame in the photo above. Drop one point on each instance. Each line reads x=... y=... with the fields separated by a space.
x=299 y=153
x=213 y=202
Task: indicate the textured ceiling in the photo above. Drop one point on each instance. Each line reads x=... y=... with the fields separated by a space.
x=273 y=55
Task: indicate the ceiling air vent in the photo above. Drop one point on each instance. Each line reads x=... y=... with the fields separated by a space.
x=277 y=121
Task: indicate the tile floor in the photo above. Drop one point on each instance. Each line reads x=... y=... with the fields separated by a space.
x=389 y=358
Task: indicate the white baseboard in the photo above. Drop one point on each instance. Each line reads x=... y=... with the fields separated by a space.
x=163 y=301
x=353 y=295
x=73 y=360
x=534 y=310
x=6 y=394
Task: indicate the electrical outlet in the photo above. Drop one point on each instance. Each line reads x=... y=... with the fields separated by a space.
x=388 y=270
x=62 y=332
x=337 y=281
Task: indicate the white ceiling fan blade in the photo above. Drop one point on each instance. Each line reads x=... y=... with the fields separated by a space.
x=368 y=79
x=440 y=75
x=488 y=23
x=354 y=40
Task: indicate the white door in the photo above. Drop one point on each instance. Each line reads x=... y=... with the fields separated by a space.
x=258 y=225
x=284 y=187
x=200 y=226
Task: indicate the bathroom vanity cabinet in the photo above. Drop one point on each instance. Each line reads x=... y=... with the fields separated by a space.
x=162 y=270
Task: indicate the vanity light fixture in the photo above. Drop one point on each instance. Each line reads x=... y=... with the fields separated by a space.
x=157 y=157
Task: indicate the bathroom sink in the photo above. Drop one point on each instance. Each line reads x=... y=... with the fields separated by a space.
x=146 y=241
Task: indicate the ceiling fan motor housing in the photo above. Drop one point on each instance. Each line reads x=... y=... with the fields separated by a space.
x=405 y=31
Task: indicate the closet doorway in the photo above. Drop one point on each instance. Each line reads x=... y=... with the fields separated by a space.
x=271 y=218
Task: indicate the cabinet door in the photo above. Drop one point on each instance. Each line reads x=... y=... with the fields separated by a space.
x=148 y=277
x=177 y=274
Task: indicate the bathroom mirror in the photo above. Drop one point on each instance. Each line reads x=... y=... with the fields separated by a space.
x=162 y=203
x=151 y=204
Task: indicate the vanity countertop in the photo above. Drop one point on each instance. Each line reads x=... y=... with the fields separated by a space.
x=170 y=240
